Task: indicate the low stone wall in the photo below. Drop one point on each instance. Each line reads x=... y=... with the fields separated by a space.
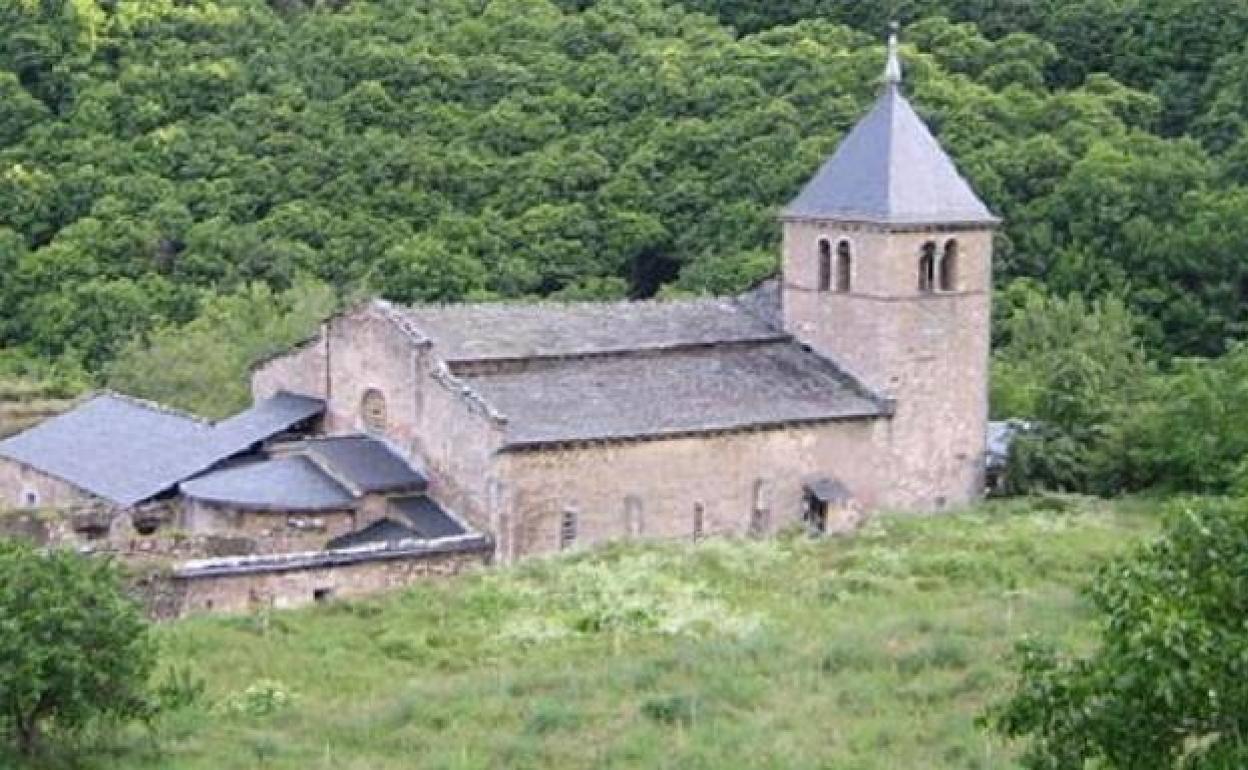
x=246 y=584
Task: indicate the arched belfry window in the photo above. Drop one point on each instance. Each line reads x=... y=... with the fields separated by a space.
x=373 y=411
x=949 y=267
x=927 y=268
x=825 y=265
x=844 y=267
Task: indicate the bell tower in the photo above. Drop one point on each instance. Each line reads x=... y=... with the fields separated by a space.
x=888 y=272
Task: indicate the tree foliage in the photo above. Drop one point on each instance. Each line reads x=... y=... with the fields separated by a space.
x=1167 y=685
x=203 y=365
x=153 y=153
x=1077 y=370
x=73 y=647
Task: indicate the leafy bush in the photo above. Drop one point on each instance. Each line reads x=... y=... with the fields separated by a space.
x=671 y=709
x=1077 y=370
x=74 y=648
x=202 y=366
x=1167 y=687
x=636 y=593
x=260 y=699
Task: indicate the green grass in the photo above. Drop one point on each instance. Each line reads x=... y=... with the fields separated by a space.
x=876 y=651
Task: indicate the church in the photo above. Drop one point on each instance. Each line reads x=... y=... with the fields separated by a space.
x=855 y=381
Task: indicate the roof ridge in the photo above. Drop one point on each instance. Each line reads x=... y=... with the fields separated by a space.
x=149 y=405
x=658 y=350
x=547 y=302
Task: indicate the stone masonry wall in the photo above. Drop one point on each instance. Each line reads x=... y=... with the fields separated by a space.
x=283 y=589
x=651 y=489
x=927 y=351
x=366 y=352
x=427 y=416
x=457 y=443
x=268 y=531
x=17 y=480
x=301 y=371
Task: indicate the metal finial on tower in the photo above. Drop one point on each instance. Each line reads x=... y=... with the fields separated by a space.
x=892 y=70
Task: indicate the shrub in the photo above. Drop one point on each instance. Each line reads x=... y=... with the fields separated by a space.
x=260 y=699
x=671 y=709
x=1167 y=687
x=74 y=648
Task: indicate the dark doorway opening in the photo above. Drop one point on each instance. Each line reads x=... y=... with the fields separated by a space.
x=815 y=515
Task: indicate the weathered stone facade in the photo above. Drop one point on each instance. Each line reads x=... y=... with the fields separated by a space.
x=926 y=350
x=25 y=487
x=268 y=531
x=296 y=580
x=738 y=484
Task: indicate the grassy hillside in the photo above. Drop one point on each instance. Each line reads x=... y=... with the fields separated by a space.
x=25 y=402
x=872 y=652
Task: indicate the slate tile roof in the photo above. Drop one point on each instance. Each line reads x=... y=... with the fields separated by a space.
x=416 y=518
x=676 y=393
x=890 y=170
x=318 y=474
x=265 y=420
x=128 y=451
x=284 y=484
x=117 y=448
x=426 y=518
x=483 y=332
x=364 y=464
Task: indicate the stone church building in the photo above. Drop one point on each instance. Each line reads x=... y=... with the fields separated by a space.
x=857 y=380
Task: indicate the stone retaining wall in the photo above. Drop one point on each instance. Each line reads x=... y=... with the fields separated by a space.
x=281 y=581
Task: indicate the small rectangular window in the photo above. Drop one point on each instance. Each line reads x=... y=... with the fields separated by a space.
x=699 y=522
x=567 y=529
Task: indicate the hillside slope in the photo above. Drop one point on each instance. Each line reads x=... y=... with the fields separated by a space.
x=871 y=652
x=25 y=402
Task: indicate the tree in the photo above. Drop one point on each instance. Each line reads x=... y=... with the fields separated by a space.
x=202 y=365
x=73 y=647
x=1167 y=686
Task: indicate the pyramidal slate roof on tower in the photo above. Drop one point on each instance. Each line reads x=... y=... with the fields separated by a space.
x=890 y=170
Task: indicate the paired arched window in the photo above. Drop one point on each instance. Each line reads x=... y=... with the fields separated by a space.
x=927 y=268
x=938 y=274
x=825 y=265
x=835 y=272
x=949 y=267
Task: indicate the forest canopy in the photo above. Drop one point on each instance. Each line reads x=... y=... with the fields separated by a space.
x=158 y=154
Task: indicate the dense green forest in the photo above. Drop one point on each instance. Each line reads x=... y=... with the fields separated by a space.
x=170 y=168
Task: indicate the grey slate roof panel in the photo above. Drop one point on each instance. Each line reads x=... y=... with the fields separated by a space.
x=285 y=484
x=499 y=331
x=417 y=518
x=830 y=491
x=426 y=518
x=366 y=464
x=383 y=531
x=117 y=448
x=890 y=170
x=128 y=451
x=265 y=420
x=695 y=390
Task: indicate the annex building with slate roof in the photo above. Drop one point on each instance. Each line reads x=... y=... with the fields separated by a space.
x=855 y=380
